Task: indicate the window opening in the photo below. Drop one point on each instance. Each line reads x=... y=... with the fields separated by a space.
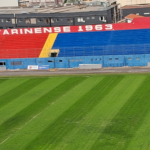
x=80 y=19
x=7 y=20
x=40 y=20
x=33 y=20
x=16 y=63
x=13 y=21
x=50 y=60
x=57 y=19
x=54 y=54
x=20 y=20
x=116 y=59
x=110 y=58
x=2 y=63
x=69 y=20
x=60 y=61
x=130 y=58
x=27 y=21
x=47 y=21
x=52 y=20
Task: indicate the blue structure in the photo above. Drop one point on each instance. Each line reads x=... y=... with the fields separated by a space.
x=73 y=62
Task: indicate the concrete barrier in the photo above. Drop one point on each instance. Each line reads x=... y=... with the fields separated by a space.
x=90 y=66
x=2 y=68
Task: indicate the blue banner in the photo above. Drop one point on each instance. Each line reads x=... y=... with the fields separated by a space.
x=43 y=67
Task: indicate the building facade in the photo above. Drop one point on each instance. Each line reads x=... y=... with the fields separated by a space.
x=142 y=10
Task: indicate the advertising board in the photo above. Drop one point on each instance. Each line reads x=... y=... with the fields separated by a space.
x=33 y=67
x=43 y=67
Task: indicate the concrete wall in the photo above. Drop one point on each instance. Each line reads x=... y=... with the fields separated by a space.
x=8 y=3
x=74 y=62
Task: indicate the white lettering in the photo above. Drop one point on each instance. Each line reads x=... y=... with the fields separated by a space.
x=98 y=27
x=108 y=27
x=47 y=30
x=89 y=28
x=37 y=30
x=57 y=29
x=80 y=28
x=66 y=29
x=28 y=31
x=21 y=32
x=14 y=31
x=5 y=32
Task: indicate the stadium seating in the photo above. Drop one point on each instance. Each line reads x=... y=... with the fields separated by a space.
x=21 y=46
x=121 y=42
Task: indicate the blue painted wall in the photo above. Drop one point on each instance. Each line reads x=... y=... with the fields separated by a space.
x=73 y=62
x=123 y=42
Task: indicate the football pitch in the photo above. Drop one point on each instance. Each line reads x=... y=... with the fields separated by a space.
x=81 y=112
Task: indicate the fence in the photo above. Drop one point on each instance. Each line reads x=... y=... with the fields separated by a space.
x=76 y=51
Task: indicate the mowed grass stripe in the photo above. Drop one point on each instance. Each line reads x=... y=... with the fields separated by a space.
x=141 y=140
x=2 y=80
x=19 y=90
x=29 y=97
x=9 y=84
x=119 y=133
x=95 y=121
x=64 y=124
x=1 y=84
x=49 y=115
x=14 y=123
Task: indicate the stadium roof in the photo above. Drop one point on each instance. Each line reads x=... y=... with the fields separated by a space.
x=135 y=6
x=132 y=16
x=51 y=9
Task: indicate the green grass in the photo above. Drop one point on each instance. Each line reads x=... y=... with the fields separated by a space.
x=82 y=112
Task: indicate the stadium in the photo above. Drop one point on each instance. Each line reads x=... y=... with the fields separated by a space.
x=76 y=87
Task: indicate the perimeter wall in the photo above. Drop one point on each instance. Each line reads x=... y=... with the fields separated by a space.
x=73 y=62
